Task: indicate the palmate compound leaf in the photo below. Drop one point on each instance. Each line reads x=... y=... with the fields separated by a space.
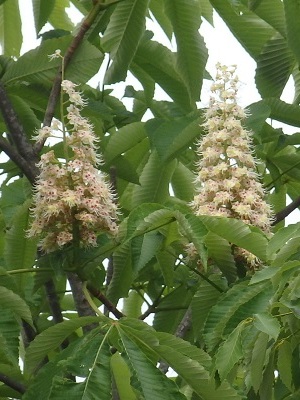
x=191 y=363
x=153 y=383
x=52 y=337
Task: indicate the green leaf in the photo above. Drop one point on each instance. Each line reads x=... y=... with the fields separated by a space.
x=97 y=383
x=41 y=12
x=284 y=362
x=122 y=36
x=10 y=28
x=274 y=67
x=238 y=303
x=122 y=274
x=153 y=383
x=292 y=18
x=203 y=300
x=121 y=376
x=230 y=352
x=183 y=183
x=265 y=322
x=250 y=30
x=159 y=63
x=270 y=11
x=258 y=360
x=124 y=139
x=191 y=51
x=51 y=338
x=280 y=238
x=20 y=252
x=283 y=112
x=157 y=8
x=12 y=301
x=171 y=137
x=133 y=304
x=221 y=252
x=59 y=17
x=34 y=66
x=264 y=274
x=144 y=249
x=238 y=233
x=154 y=181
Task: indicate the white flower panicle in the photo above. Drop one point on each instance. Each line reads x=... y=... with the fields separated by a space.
x=228 y=184
x=71 y=192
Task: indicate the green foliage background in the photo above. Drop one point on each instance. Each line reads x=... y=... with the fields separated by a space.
x=226 y=335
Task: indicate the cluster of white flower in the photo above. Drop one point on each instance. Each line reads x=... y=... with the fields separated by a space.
x=71 y=192
x=228 y=184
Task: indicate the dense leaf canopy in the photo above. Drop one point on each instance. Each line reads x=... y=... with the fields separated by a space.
x=135 y=317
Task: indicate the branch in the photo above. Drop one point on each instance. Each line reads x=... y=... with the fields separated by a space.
x=30 y=171
x=286 y=211
x=56 y=87
x=17 y=386
x=22 y=154
x=82 y=306
x=183 y=327
x=55 y=306
x=104 y=300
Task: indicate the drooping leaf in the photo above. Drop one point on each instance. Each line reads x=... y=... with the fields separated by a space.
x=97 y=383
x=34 y=66
x=124 y=139
x=274 y=67
x=171 y=137
x=10 y=28
x=122 y=36
x=191 y=51
x=13 y=302
x=284 y=362
x=121 y=376
x=239 y=302
x=230 y=352
x=159 y=63
x=292 y=18
x=265 y=322
x=41 y=12
x=154 y=181
x=237 y=232
x=51 y=338
x=258 y=359
x=153 y=383
x=20 y=252
x=250 y=30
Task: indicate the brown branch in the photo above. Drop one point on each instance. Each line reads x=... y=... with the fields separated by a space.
x=55 y=91
x=30 y=170
x=82 y=306
x=104 y=300
x=55 y=306
x=17 y=386
x=22 y=154
x=281 y=215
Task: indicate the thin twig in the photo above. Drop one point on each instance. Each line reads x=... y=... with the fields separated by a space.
x=104 y=300
x=281 y=215
x=13 y=384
